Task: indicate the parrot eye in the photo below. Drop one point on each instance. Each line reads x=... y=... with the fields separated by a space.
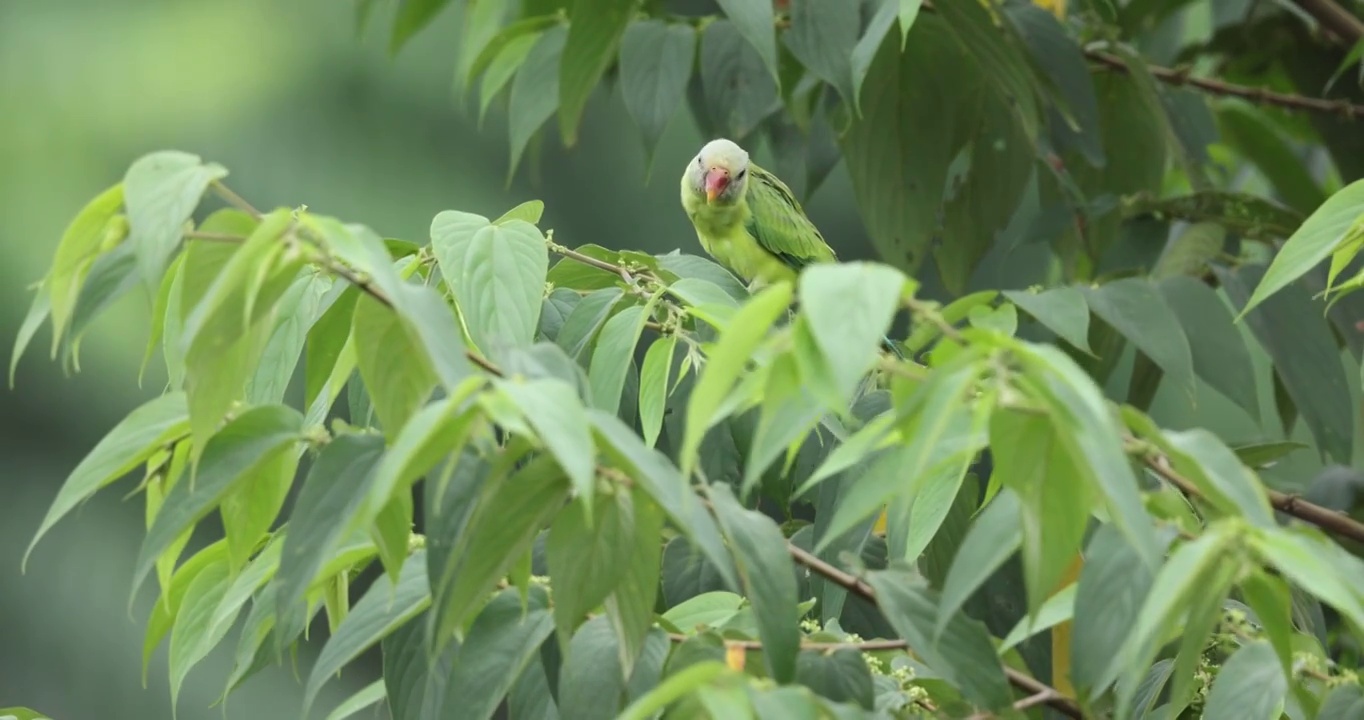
x=741 y=174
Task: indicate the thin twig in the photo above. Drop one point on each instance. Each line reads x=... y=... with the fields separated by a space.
x=1217 y=87
x=930 y=314
x=233 y=199
x=852 y=583
x=593 y=262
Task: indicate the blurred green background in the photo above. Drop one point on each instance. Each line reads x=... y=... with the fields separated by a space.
x=301 y=112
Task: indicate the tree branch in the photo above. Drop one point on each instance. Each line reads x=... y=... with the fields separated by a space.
x=233 y=199
x=1334 y=18
x=1258 y=95
x=1034 y=687
x=863 y=646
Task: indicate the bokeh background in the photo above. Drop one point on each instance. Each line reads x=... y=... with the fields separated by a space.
x=302 y=111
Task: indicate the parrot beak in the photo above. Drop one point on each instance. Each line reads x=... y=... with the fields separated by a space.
x=716 y=181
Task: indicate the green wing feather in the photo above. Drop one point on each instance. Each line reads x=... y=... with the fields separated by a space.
x=777 y=221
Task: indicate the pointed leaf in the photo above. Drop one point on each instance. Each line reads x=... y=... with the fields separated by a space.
x=503 y=639
x=586 y=561
x=653 y=386
x=535 y=90
x=1250 y=686
x=1136 y=310
x=594 y=32
x=850 y=338
x=613 y=355
x=755 y=22
x=822 y=36
x=656 y=60
x=1062 y=310
x=161 y=190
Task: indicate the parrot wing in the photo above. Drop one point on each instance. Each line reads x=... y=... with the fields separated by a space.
x=778 y=223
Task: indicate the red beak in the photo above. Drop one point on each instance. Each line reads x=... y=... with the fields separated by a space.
x=717 y=179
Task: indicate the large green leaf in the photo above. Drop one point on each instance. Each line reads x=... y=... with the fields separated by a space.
x=594 y=31
x=580 y=328
x=155 y=424
x=503 y=65
x=656 y=60
x=38 y=312
x=674 y=688
x=1113 y=583
x=498 y=533
x=230 y=456
x=768 y=579
x=863 y=53
x=167 y=606
x=497 y=274
x=535 y=91
x=1316 y=565
x=397 y=374
x=1058 y=56
x=81 y=242
x=555 y=412
x=653 y=386
x=1250 y=686
x=161 y=190
x=1135 y=308
x=963 y=655
x=994 y=536
x=755 y=21
x=841 y=676
x=1061 y=310
x=416 y=678
x=370 y=694
x=1220 y=357
x=592 y=681
x=613 y=356
x=1299 y=341
x=413 y=15
x=586 y=561
x=1322 y=233
x=191 y=636
x=384 y=606
x=822 y=36
x=249 y=509
x=848 y=307
x=500 y=643
x=736 y=81
x=630 y=606
x=328 y=499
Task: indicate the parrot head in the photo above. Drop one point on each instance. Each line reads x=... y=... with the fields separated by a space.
x=719 y=172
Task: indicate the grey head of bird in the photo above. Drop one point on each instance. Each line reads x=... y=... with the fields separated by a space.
x=719 y=172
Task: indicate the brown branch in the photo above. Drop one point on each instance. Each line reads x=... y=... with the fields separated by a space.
x=1259 y=95
x=1034 y=687
x=1334 y=18
x=1337 y=523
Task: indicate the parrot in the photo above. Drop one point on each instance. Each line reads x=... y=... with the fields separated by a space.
x=749 y=220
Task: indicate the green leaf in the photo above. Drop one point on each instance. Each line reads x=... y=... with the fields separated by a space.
x=755 y=21
x=1252 y=134
x=591 y=682
x=1058 y=608
x=553 y=409
x=630 y=606
x=909 y=12
x=1271 y=600
x=841 y=676
x=1260 y=455
x=38 y=311
x=190 y=637
x=613 y=355
x=1190 y=253
x=594 y=32
x=535 y=91
x=167 y=606
x=656 y=59
x=736 y=81
x=153 y=425
x=768 y=579
x=503 y=66
x=311 y=294
x=369 y=695
x=481 y=22
x=693 y=266
x=502 y=528
x=582 y=324
x=707 y=610
x=1220 y=356
x=1345 y=702
x=653 y=386
x=230 y=456
x=587 y=553
x=1112 y=586
x=529 y=211
x=865 y=51
x=673 y=689
x=1250 y=686
x=849 y=307
x=397 y=374
x=437 y=430
x=320 y=521
x=497 y=274
x=963 y=656
x=1136 y=310
x=822 y=36
x=415 y=677
x=1060 y=59
x=1323 y=232
x=1307 y=561
x=1219 y=475
x=413 y=15
x=83 y=240
x=501 y=642
x=250 y=507
x=21 y=713
x=1300 y=343
x=657 y=476
x=384 y=607
x=161 y=190
x=994 y=536
x=725 y=364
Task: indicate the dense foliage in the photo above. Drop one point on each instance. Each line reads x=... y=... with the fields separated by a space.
x=586 y=482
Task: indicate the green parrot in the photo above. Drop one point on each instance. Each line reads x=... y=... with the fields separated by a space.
x=749 y=221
